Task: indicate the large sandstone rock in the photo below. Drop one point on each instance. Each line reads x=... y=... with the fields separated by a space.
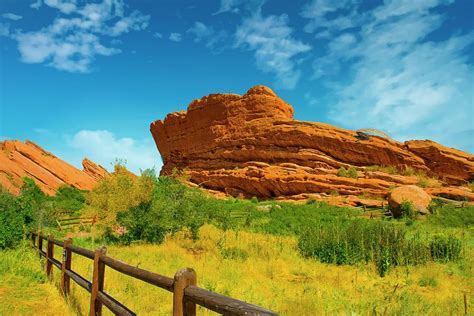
x=409 y=193
x=18 y=160
x=95 y=171
x=250 y=145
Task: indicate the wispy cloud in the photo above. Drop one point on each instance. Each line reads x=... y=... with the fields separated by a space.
x=36 y=5
x=275 y=48
x=395 y=77
x=104 y=148
x=157 y=35
x=176 y=37
x=4 y=29
x=12 y=16
x=235 y=6
x=72 y=42
x=206 y=34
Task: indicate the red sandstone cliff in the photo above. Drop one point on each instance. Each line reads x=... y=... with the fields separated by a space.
x=18 y=160
x=250 y=145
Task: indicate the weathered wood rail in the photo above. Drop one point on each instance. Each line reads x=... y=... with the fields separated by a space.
x=186 y=293
x=70 y=222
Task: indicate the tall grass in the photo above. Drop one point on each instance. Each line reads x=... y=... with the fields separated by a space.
x=24 y=289
x=384 y=243
x=268 y=270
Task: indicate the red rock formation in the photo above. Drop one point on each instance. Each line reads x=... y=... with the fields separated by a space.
x=18 y=160
x=250 y=145
x=95 y=171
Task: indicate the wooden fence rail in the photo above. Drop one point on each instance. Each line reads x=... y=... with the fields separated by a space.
x=186 y=293
x=70 y=222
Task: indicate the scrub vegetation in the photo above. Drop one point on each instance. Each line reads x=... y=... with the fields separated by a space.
x=305 y=259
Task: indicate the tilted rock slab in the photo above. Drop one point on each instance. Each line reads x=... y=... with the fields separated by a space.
x=18 y=160
x=250 y=145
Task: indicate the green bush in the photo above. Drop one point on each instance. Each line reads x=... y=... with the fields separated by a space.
x=11 y=220
x=347 y=173
x=172 y=208
x=352 y=172
x=342 y=172
x=68 y=200
x=407 y=210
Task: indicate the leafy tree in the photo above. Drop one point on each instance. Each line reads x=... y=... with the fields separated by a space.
x=11 y=220
x=173 y=207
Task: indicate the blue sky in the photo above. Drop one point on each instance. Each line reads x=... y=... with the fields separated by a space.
x=86 y=78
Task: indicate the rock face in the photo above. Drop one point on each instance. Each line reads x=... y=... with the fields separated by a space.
x=95 y=171
x=18 y=160
x=250 y=145
x=409 y=193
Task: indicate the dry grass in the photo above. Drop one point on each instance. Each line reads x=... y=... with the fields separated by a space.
x=24 y=289
x=268 y=271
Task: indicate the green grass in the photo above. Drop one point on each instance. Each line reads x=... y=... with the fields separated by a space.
x=24 y=289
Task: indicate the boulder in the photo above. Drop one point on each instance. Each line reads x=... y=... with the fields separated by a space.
x=409 y=193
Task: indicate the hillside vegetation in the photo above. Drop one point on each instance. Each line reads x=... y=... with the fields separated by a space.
x=292 y=258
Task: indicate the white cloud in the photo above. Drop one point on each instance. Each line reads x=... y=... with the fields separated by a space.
x=12 y=16
x=396 y=79
x=176 y=37
x=65 y=6
x=206 y=34
x=104 y=148
x=318 y=10
x=275 y=49
x=36 y=5
x=157 y=35
x=72 y=43
x=234 y=6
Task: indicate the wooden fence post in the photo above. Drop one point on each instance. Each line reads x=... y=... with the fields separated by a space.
x=97 y=282
x=49 y=254
x=182 y=279
x=33 y=239
x=66 y=265
x=40 y=244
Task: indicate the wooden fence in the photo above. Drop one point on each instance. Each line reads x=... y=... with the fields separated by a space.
x=70 y=222
x=186 y=294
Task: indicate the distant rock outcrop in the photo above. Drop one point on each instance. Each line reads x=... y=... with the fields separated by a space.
x=18 y=160
x=250 y=145
x=95 y=171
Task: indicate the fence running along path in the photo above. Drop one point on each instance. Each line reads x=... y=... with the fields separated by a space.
x=70 y=222
x=186 y=294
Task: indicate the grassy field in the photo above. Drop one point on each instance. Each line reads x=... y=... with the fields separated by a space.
x=269 y=271
x=24 y=288
x=296 y=259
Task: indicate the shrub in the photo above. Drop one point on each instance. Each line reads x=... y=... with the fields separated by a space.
x=68 y=199
x=172 y=208
x=407 y=210
x=342 y=172
x=11 y=220
x=347 y=173
x=352 y=172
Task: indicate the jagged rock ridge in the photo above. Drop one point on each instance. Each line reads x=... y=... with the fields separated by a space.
x=250 y=145
x=18 y=160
